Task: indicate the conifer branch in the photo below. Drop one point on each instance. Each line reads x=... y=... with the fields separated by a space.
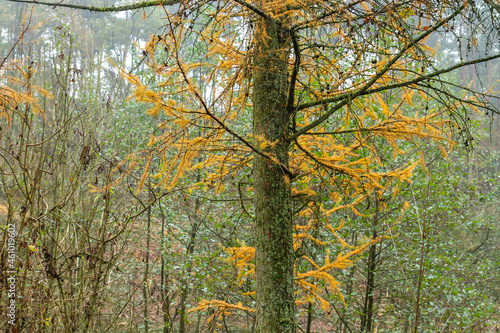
x=223 y=125
x=254 y=9
x=311 y=156
x=348 y=97
x=306 y=24
x=401 y=84
x=145 y=4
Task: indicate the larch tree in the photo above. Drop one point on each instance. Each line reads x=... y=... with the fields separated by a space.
x=326 y=85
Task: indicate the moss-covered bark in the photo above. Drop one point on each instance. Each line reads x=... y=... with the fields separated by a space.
x=273 y=213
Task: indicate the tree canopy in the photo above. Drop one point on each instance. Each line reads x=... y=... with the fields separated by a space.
x=309 y=108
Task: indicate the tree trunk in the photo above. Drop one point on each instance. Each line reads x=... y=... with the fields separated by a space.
x=189 y=251
x=274 y=253
x=367 y=316
x=145 y=288
x=309 y=317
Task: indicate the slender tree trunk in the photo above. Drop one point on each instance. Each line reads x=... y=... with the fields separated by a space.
x=189 y=252
x=184 y=295
x=273 y=211
x=309 y=317
x=165 y=299
x=185 y=288
x=367 y=317
x=146 y=275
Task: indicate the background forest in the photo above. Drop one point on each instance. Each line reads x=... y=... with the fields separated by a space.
x=105 y=246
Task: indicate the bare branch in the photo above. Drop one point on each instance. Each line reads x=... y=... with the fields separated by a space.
x=17 y=41
x=293 y=78
x=139 y=5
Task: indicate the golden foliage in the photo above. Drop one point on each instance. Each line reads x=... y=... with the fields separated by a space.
x=308 y=282
x=220 y=83
x=356 y=104
x=17 y=91
x=221 y=308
